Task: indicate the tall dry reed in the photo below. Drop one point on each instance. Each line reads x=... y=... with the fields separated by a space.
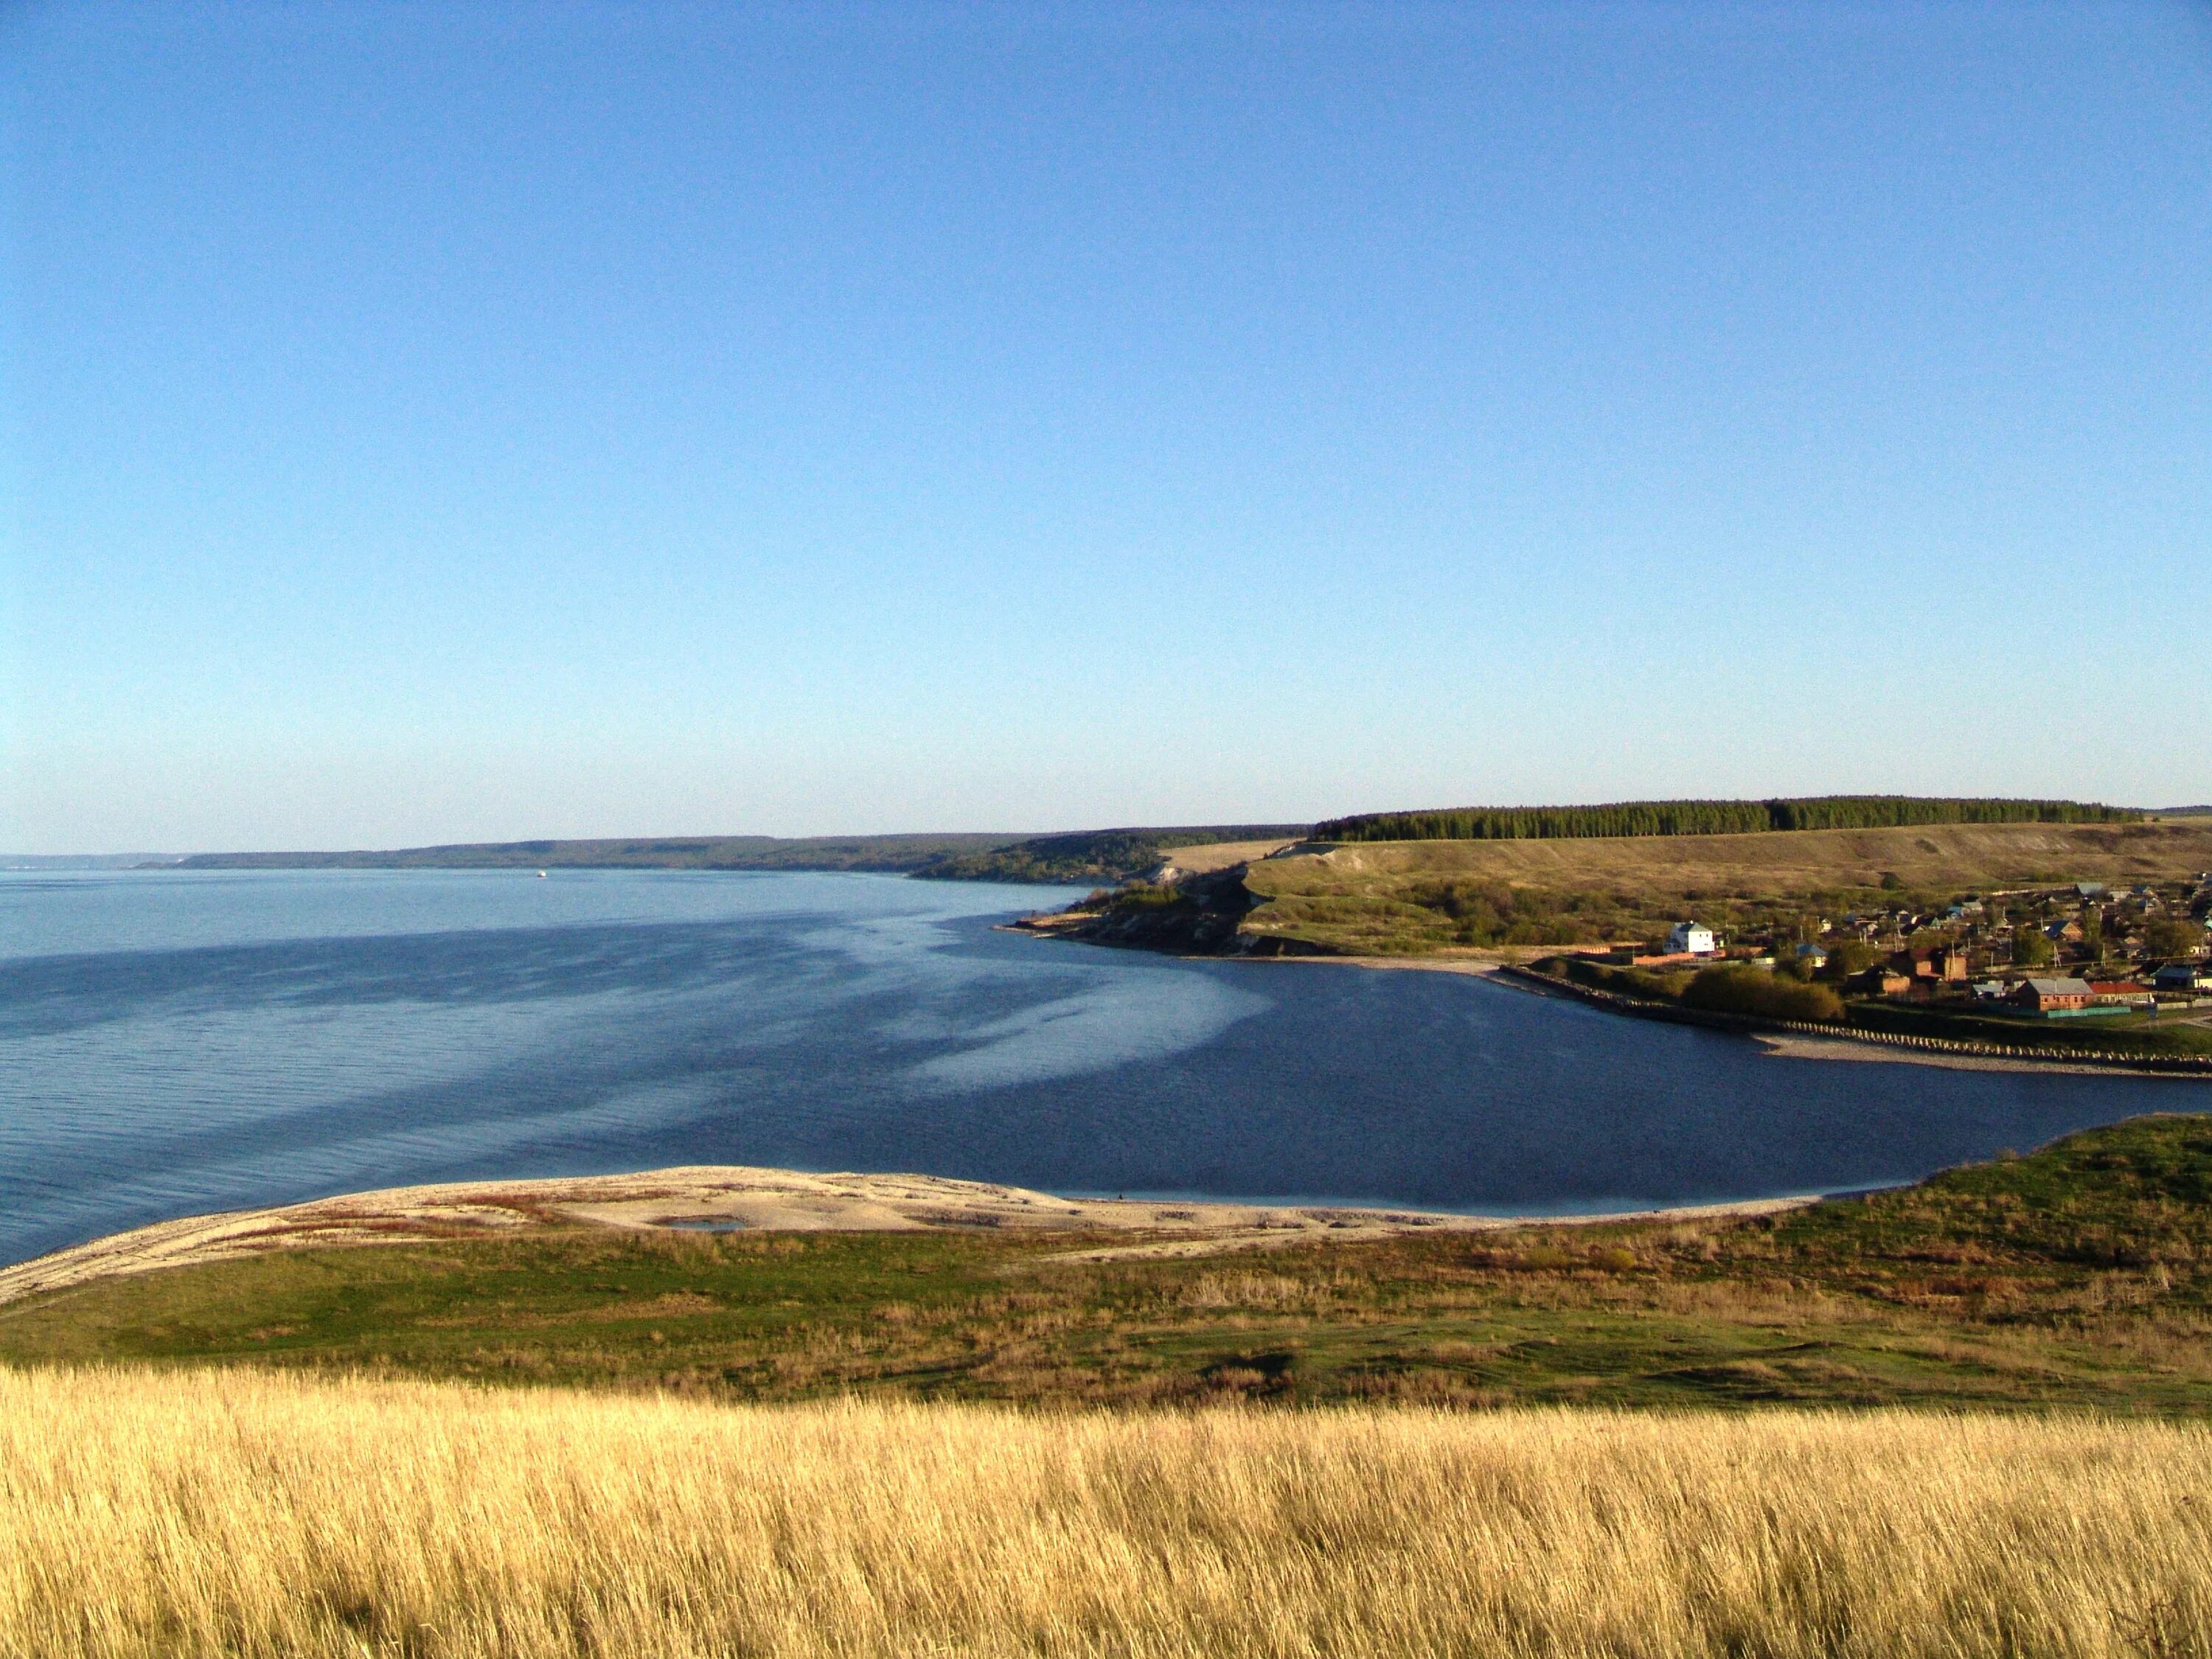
x=245 y=1513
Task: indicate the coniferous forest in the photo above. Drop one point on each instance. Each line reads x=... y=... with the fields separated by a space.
x=1709 y=817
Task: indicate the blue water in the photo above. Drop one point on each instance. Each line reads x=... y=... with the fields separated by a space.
x=172 y=1042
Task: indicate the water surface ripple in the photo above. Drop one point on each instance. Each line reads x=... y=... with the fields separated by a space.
x=173 y=1042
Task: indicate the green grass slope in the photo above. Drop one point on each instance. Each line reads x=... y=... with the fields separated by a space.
x=2079 y=1276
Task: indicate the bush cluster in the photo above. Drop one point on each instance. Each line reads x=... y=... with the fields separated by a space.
x=1629 y=982
x=1731 y=990
x=1723 y=988
x=1144 y=896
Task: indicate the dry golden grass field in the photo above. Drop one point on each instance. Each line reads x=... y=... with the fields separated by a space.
x=242 y=1512
x=1383 y=896
x=1807 y=861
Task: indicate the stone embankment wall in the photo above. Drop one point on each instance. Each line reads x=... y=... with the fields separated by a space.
x=2187 y=1065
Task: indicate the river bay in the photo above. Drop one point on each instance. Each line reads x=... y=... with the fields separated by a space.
x=173 y=1042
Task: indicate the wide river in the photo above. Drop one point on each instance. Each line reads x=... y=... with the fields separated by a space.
x=173 y=1042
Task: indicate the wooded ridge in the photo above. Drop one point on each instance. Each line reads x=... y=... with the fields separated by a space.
x=1709 y=817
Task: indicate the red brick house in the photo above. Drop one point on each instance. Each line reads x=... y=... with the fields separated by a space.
x=2044 y=996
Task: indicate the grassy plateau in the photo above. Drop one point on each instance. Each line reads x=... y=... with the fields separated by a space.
x=1409 y=897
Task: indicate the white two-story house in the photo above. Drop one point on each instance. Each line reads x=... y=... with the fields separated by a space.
x=1691 y=938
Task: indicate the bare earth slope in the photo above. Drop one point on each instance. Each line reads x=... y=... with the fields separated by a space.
x=1211 y=858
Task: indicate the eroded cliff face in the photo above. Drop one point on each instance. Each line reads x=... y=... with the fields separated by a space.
x=1190 y=914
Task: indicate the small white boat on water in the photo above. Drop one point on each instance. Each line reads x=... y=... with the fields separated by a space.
x=541 y=875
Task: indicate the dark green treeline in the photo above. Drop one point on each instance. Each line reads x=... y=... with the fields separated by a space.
x=1708 y=818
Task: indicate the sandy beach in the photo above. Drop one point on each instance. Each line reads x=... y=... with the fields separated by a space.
x=737 y=1196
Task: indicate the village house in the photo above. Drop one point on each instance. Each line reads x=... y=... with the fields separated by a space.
x=1690 y=938
x=1943 y=962
x=1881 y=982
x=2184 y=976
x=2053 y=996
x=2120 y=993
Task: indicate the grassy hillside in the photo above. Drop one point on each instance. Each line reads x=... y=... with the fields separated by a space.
x=1416 y=896
x=2078 y=1277
x=188 y=1517
x=875 y=852
x=1094 y=855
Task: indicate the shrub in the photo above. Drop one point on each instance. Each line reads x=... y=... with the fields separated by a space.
x=1143 y=895
x=1849 y=956
x=1748 y=991
x=2166 y=937
x=1629 y=982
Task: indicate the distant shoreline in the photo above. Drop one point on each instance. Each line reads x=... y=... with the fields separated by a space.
x=1841 y=1045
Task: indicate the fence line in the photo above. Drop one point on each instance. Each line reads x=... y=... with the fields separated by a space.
x=1716 y=1020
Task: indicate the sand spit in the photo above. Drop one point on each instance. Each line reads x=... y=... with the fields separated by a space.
x=1789 y=1046
x=1485 y=966
x=742 y=1196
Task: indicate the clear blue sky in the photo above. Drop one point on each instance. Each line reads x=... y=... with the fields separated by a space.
x=448 y=422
